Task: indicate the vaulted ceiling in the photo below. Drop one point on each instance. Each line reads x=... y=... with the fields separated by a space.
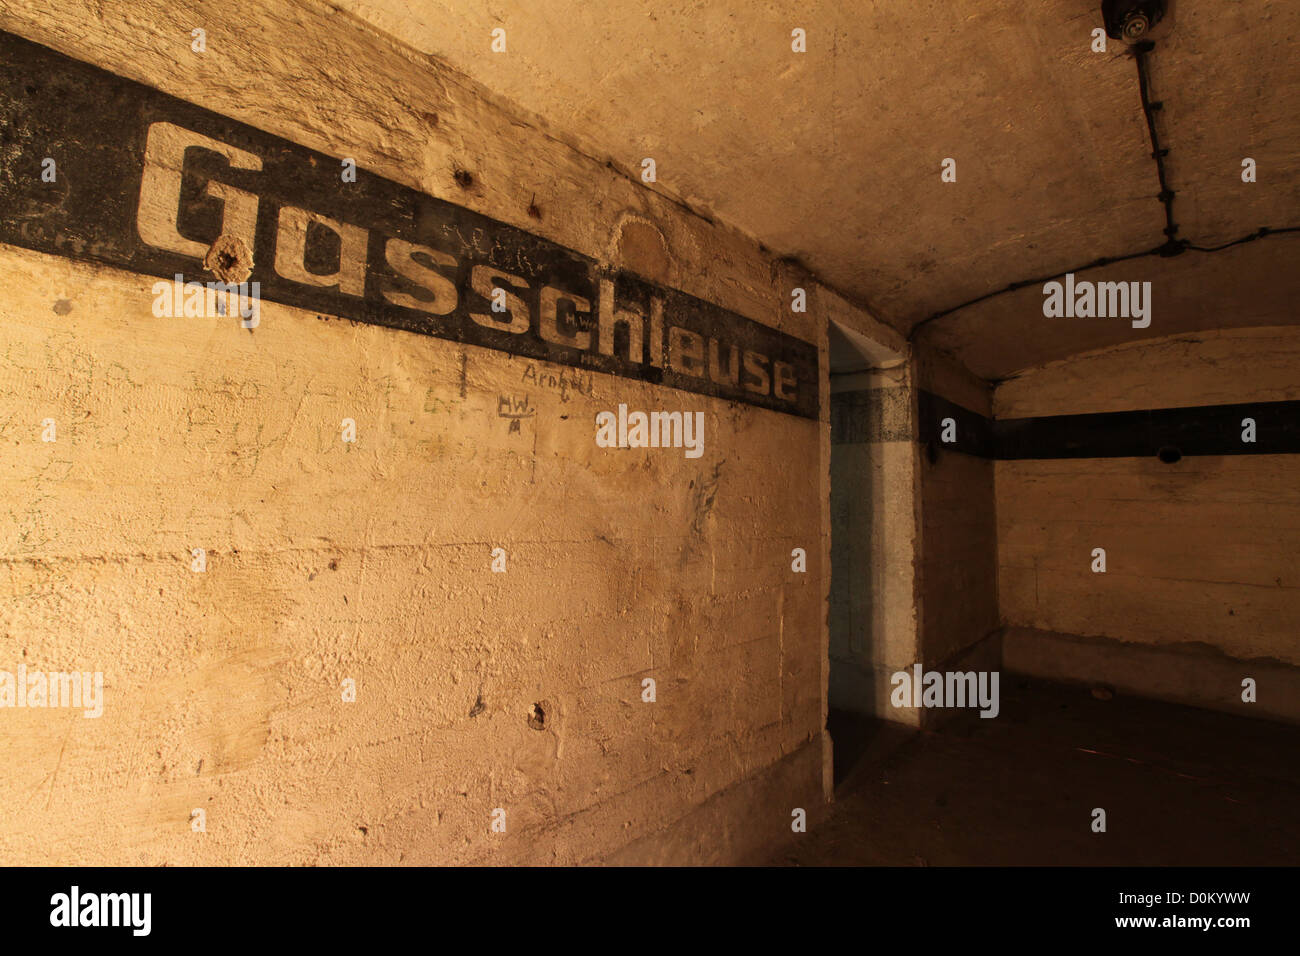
x=833 y=156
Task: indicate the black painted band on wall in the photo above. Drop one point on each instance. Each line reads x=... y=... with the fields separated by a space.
x=867 y=415
x=949 y=425
x=147 y=182
x=1193 y=430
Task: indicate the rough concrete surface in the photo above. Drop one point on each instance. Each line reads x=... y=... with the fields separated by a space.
x=1200 y=551
x=371 y=561
x=834 y=155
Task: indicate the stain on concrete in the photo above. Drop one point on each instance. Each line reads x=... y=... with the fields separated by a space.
x=642 y=248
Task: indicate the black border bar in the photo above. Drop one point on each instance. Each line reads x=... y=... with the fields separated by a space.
x=1170 y=433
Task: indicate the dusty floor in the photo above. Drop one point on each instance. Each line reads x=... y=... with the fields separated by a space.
x=1180 y=786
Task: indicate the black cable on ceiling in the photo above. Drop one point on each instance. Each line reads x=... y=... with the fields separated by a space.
x=1263 y=231
x=1172 y=246
x=1105 y=261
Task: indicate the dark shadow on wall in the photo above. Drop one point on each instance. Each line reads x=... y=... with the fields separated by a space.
x=851 y=594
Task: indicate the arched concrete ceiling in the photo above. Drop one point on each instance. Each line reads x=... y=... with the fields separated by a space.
x=833 y=156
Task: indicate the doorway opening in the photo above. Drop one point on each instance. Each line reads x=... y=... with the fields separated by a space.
x=870 y=421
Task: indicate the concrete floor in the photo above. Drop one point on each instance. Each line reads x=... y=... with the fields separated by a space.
x=1180 y=786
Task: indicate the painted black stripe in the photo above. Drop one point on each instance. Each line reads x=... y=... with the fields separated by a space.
x=1192 y=430
x=95 y=125
x=973 y=432
x=863 y=416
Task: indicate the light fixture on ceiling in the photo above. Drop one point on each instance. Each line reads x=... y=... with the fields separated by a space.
x=1131 y=20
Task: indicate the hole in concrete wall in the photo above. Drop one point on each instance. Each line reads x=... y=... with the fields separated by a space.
x=229 y=258
x=537 y=719
x=1169 y=454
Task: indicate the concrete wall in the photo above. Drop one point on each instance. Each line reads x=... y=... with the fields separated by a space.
x=957 y=575
x=1202 y=555
x=873 y=619
x=371 y=561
